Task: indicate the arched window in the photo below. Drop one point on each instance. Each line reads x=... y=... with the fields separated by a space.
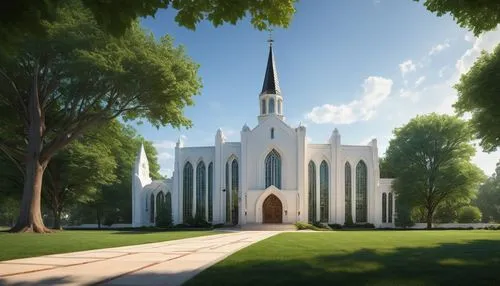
x=228 y=195
x=312 y=191
x=152 y=209
x=168 y=206
x=272 y=133
x=187 y=189
x=271 y=105
x=263 y=106
x=200 y=190
x=390 y=207
x=273 y=169
x=323 y=192
x=210 y=191
x=146 y=203
x=361 y=192
x=384 y=207
x=348 y=193
x=160 y=199
x=234 y=191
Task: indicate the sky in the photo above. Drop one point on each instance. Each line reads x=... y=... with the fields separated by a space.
x=363 y=67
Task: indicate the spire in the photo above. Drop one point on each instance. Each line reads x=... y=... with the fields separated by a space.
x=271 y=84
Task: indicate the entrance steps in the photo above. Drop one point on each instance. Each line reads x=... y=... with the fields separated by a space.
x=268 y=227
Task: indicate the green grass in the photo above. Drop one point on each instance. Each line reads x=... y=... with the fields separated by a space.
x=21 y=245
x=363 y=258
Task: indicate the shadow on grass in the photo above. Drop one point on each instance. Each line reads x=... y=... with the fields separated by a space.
x=473 y=263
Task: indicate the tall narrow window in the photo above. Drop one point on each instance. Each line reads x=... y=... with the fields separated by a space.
x=312 y=191
x=187 y=192
x=272 y=133
x=210 y=192
x=228 y=195
x=271 y=105
x=273 y=169
x=168 y=206
x=390 y=207
x=323 y=192
x=384 y=207
x=263 y=106
x=348 y=193
x=234 y=191
x=152 y=209
x=200 y=190
x=361 y=192
x=160 y=199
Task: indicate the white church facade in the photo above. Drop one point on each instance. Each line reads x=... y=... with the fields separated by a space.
x=273 y=175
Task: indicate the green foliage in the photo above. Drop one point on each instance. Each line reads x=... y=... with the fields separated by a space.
x=488 y=197
x=114 y=16
x=306 y=226
x=447 y=212
x=476 y=15
x=385 y=169
x=9 y=208
x=431 y=159
x=478 y=92
x=469 y=214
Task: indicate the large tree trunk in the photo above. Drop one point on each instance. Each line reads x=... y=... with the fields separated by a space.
x=30 y=217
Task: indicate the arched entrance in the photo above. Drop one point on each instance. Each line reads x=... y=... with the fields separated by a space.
x=272 y=210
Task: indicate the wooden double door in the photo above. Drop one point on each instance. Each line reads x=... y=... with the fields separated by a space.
x=272 y=210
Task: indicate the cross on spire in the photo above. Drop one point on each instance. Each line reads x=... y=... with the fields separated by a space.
x=270 y=40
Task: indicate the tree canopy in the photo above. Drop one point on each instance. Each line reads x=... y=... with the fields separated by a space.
x=479 y=95
x=79 y=77
x=476 y=15
x=115 y=16
x=488 y=197
x=430 y=157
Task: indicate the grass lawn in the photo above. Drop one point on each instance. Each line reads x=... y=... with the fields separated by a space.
x=363 y=258
x=29 y=244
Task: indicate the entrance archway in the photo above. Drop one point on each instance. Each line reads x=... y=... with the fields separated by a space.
x=272 y=210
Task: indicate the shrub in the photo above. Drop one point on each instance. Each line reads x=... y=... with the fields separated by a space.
x=335 y=226
x=321 y=225
x=303 y=226
x=469 y=214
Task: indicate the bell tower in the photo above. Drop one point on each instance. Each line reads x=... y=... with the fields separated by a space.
x=270 y=98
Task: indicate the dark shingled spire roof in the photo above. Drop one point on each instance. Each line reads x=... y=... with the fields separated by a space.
x=271 y=83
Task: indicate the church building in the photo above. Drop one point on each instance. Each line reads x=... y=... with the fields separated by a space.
x=273 y=175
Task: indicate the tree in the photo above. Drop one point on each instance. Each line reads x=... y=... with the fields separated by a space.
x=385 y=169
x=478 y=92
x=469 y=214
x=476 y=15
x=430 y=156
x=115 y=16
x=80 y=169
x=488 y=197
x=78 y=78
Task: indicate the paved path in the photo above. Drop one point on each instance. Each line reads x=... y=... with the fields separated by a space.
x=161 y=263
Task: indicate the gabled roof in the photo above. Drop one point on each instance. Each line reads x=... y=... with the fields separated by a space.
x=271 y=83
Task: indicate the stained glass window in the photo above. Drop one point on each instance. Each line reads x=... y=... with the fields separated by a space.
x=361 y=192
x=323 y=192
x=187 y=192
x=200 y=190
x=312 y=191
x=273 y=169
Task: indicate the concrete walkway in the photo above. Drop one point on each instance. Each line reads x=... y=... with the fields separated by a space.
x=161 y=263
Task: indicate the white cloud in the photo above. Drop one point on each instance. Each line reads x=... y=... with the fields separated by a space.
x=442 y=70
x=165 y=149
x=375 y=91
x=487 y=41
x=438 y=48
x=407 y=66
x=419 y=81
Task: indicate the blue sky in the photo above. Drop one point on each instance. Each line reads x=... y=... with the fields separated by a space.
x=364 y=67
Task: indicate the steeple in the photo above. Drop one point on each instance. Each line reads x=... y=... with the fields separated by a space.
x=271 y=83
x=270 y=99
